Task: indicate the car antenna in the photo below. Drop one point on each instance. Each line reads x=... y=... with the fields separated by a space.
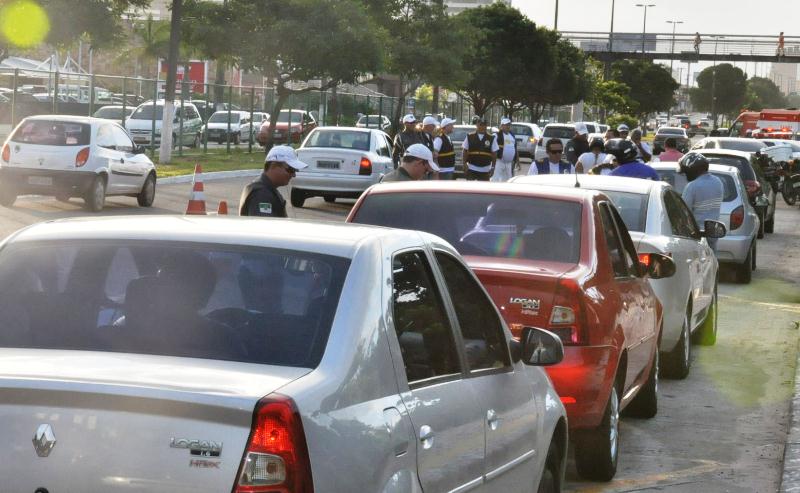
x=577 y=183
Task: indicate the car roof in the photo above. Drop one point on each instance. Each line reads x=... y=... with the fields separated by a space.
x=612 y=183
x=348 y=129
x=566 y=125
x=557 y=193
x=724 y=152
x=718 y=168
x=329 y=238
x=69 y=118
x=671 y=128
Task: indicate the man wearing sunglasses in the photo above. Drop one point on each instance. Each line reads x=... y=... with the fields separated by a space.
x=554 y=163
x=262 y=198
x=415 y=165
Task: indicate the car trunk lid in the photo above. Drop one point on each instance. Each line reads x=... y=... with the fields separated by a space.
x=331 y=160
x=43 y=157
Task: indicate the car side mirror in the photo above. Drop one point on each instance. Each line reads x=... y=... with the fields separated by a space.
x=540 y=347
x=138 y=149
x=714 y=229
x=656 y=265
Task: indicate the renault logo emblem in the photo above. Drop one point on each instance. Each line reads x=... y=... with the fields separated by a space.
x=44 y=440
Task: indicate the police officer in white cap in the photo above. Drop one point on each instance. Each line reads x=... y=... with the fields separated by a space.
x=416 y=164
x=443 y=151
x=406 y=138
x=429 y=124
x=262 y=198
x=507 y=155
x=480 y=153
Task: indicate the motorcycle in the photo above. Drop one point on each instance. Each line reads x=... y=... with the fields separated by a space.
x=788 y=184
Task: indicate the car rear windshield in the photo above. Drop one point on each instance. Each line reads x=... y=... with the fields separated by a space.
x=744 y=145
x=145 y=112
x=484 y=225
x=670 y=131
x=222 y=117
x=521 y=130
x=370 y=120
x=109 y=113
x=740 y=163
x=459 y=134
x=245 y=304
x=632 y=207
x=53 y=133
x=283 y=117
x=678 y=182
x=339 y=139
x=559 y=132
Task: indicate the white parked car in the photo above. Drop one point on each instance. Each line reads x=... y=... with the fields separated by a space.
x=527 y=135
x=561 y=131
x=381 y=122
x=71 y=156
x=218 y=129
x=342 y=163
x=186 y=122
x=198 y=354
x=660 y=222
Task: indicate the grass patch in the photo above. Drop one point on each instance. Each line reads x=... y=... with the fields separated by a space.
x=214 y=160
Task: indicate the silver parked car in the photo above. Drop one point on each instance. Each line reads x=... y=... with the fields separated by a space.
x=342 y=163
x=561 y=131
x=168 y=354
x=527 y=135
x=738 y=247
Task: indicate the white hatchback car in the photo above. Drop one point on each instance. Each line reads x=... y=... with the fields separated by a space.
x=342 y=163
x=177 y=354
x=660 y=222
x=71 y=156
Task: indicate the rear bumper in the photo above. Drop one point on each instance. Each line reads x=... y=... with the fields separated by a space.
x=334 y=184
x=733 y=249
x=25 y=181
x=586 y=375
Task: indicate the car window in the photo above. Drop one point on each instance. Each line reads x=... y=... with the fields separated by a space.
x=484 y=225
x=423 y=329
x=742 y=164
x=559 y=132
x=745 y=145
x=628 y=250
x=382 y=148
x=688 y=221
x=191 y=113
x=632 y=207
x=613 y=243
x=521 y=130
x=481 y=329
x=460 y=133
x=145 y=112
x=52 y=133
x=121 y=140
x=105 y=137
x=339 y=139
x=711 y=144
x=677 y=219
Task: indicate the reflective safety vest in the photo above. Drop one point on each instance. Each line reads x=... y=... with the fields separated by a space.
x=447 y=156
x=501 y=142
x=480 y=150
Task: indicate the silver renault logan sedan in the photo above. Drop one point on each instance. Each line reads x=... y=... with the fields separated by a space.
x=175 y=354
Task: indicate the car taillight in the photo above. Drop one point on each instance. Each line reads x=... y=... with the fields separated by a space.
x=752 y=187
x=365 y=167
x=737 y=218
x=276 y=459
x=82 y=157
x=568 y=319
x=532 y=140
x=6 y=153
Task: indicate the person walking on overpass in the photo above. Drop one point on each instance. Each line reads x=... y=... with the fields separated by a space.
x=697 y=41
x=781 y=51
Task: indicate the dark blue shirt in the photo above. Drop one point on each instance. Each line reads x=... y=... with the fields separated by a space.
x=636 y=169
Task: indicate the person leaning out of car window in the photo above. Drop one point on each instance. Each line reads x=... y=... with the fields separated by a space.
x=415 y=164
x=261 y=197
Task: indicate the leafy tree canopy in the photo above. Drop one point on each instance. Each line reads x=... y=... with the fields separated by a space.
x=763 y=93
x=730 y=89
x=98 y=21
x=652 y=88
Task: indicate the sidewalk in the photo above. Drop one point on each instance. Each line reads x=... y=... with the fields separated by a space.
x=790 y=483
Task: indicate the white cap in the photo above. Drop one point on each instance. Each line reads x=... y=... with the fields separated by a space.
x=419 y=151
x=430 y=120
x=505 y=121
x=446 y=121
x=285 y=154
x=581 y=129
x=623 y=128
x=409 y=118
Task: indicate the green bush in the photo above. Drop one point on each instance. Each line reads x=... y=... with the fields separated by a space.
x=615 y=120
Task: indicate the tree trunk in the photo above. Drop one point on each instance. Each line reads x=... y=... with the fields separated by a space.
x=282 y=95
x=333 y=108
x=165 y=151
x=435 y=105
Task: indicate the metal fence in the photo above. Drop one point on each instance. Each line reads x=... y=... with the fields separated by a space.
x=26 y=93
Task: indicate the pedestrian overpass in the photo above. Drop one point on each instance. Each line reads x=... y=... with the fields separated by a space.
x=681 y=47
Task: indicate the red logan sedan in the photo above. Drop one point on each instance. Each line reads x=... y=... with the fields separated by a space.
x=559 y=259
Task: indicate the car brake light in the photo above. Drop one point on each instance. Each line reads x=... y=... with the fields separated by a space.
x=82 y=157
x=532 y=140
x=567 y=319
x=276 y=458
x=365 y=167
x=752 y=187
x=737 y=218
x=6 y=153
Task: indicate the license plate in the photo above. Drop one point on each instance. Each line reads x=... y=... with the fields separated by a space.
x=40 y=180
x=328 y=164
x=139 y=140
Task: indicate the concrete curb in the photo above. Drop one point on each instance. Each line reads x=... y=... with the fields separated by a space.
x=214 y=175
x=790 y=482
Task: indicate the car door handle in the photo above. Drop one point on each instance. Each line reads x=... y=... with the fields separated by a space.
x=492 y=419
x=426 y=436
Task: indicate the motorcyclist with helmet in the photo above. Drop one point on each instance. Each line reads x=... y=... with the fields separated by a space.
x=703 y=194
x=629 y=164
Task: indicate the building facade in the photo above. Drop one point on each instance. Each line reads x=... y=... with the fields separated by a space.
x=455 y=7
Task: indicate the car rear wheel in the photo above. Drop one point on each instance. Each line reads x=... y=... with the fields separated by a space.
x=148 y=193
x=7 y=196
x=769 y=225
x=678 y=361
x=762 y=219
x=551 y=476
x=297 y=198
x=707 y=333
x=744 y=271
x=95 y=197
x=645 y=404
x=597 y=450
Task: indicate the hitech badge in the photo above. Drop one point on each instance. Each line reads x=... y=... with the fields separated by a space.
x=265 y=207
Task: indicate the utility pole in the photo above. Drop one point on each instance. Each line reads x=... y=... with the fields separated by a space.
x=219 y=78
x=555 y=24
x=644 y=26
x=672 y=49
x=165 y=150
x=714 y=82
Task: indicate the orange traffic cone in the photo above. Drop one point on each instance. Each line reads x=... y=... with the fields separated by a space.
x=197 y=202
x=223 y=208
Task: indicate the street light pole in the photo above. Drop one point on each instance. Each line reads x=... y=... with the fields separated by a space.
x=672 y=49
x=644 y=26
x=611 y=31
x=555 y=24
x=714 y=82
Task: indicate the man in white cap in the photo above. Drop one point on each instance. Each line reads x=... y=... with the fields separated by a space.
x=429 y=124
x=406 y=138
x=577 y=145
x=480 y=153
x=443 y=151
x=262 y=198
x=507 y=156
x=415 y=164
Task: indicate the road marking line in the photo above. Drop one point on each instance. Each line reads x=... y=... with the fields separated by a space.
x=634 y=484
x=789 y=307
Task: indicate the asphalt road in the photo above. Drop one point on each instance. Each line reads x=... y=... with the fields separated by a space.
x=722 y=429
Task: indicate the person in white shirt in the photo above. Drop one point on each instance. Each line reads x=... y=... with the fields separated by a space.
x=643 y=150
x=554 y=163
x=480 y=153
x=595 y=155
x=443 y=153
x=507 y=156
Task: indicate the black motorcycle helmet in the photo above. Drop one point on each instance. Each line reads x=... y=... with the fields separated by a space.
x=597 y=143
x=693 y=165
x=624 y=150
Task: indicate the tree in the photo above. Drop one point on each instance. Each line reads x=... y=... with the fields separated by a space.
x=208 y=31
x=333 y=41
x=612 y=96
x=652 y=88
x=165 y=150
x=100 y=21
x=763 y=93
x=152 y=43
x=729 y=90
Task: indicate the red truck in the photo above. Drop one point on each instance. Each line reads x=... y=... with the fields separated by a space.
x=766 y=123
